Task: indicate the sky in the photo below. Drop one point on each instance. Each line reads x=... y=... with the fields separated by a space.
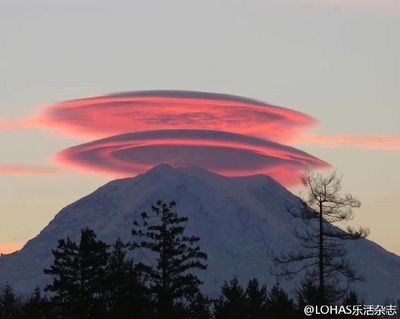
x=333 y=62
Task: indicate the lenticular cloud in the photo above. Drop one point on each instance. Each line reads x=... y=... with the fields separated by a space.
x=230 y=135
x=160 y=110
x=226 y=153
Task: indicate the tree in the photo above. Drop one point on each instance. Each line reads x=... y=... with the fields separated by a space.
x=9 y=304
x=64 y=270
x=78 y=276
x=199 y=307
x=125 y=293
x=257 y=300
x=237 y=302
x=36 y=306
x=322 y=253
x=232 y=304
x=279 y=305
x=171 y=278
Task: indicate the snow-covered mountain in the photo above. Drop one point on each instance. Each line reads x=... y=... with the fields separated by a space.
x=238 y=220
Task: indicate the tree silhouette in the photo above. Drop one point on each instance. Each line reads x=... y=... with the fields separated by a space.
x=125 y=291
x=9 y=304
x=254 y=302
x=36 y=307
x=78 y=273
x=257 y=300
x=199 y=307
x=170 y=279
x=279 y=305
x=323 y=253
x=232 y=303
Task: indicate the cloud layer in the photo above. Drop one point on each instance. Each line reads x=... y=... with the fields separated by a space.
x=11 y=124
x=159 y=110
x=365 y=142
x=222 y=152
x=16 y=169
x=227 y=134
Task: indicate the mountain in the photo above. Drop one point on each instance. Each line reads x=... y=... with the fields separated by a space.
x=239 y=219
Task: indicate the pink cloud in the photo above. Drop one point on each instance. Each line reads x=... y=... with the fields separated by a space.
x=16 y=169
x=225 y=153
x=159 y=110
x=367 y=142
x=227 y=134
x=10 y=124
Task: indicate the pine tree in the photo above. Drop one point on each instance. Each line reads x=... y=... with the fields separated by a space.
x=125 y=292
x=171 y=278
x=279 y=305
x=36 y=306
x=9 y=304
x=65 y=271
x=78 y=276
x=232 y=304
x=256 y=299
x=199 y=307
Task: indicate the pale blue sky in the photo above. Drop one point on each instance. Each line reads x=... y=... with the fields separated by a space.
x=335 y=60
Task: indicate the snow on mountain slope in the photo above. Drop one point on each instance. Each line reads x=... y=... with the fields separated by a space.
x=239 y=219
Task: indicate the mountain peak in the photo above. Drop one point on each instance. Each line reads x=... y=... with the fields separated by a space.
x=162 y=167
x=166 y=169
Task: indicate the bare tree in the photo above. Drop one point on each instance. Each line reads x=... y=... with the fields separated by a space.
x=322 y=253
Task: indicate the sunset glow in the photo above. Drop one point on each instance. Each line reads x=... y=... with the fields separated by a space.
x=7 y=248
